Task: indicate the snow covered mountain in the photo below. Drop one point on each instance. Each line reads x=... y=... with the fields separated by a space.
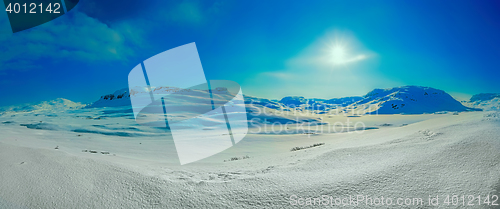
x=118 y=98
x=485 y=101
x=408 y=100
x=398 y=100
x=318 y=105
x=59 y=104
x=122 y=97
x=344 y=101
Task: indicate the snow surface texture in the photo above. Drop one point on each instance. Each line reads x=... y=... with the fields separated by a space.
x=65 y=156
x=449 y=154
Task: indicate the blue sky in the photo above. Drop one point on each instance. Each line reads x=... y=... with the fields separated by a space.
x=321 y=49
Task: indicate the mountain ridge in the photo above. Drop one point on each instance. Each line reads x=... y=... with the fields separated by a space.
x=396 y=100
x=56 y=104
x=485 y=101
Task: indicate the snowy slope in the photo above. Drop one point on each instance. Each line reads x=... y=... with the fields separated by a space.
x=116 y=105
x=50 y=159
x=408 y=100
x=59 y=104
x=486 y=102
x=122 y=97
x=442 y=156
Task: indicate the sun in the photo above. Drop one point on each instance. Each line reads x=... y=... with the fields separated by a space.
x=341 y=50
x=338 y=54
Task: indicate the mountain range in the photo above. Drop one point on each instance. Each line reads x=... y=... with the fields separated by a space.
x=397 y=100
x=487 y=101
x=59 y=104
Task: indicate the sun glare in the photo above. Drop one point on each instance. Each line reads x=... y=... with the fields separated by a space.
x=339 y=50
x=338 y=54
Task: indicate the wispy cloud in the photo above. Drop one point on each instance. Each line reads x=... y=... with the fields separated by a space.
x=74 y=36
x=193 y=12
